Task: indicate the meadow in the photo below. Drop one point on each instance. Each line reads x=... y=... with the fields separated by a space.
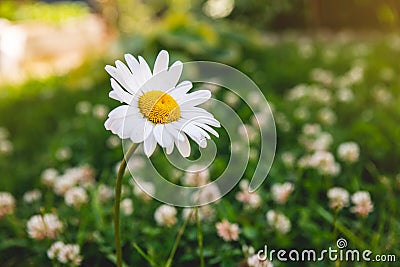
x=335 y=100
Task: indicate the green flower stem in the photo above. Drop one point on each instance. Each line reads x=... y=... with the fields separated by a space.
x=199 y=238
x=178 y=238
x=117 y=200
x=335 y=214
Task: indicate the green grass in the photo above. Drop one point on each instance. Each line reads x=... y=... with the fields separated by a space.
x=41 y=118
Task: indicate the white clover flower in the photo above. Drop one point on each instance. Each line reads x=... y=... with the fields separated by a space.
x=55 y=248
x=205 y=213
x=196 y=175
x=6 y=147
x=231 y=98
x=325 y=163
x=207 y=194
x=165 y=215
x=345 y=95
x=251 y=200
x=278 y=221
x=327 y=116
x=259 y=120
x=127 y=206
x=322 y=76
x=105 y=193
x=288 y=159
x=83 y=107
x=349 y=152
x=228 y=231
x=281 y=192
x=322 y=142
x=100 y=111
x=382 y=95
x=83 y=175
x=363 y=203
x=76 y=197
x=318 y=142
x=70 y=253
x=157 y=109
x=311 y=129
x=44 y=226
x=247 y=131
x=7 y=204
x=338 y=197
x=49 y=176
x=217 y=9
x=254 y=261
x=63 y=184
x=113 y=141
x=32 y=196
x=147 y=187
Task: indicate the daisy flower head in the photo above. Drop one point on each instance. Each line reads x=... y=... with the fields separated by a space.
x=156 y=108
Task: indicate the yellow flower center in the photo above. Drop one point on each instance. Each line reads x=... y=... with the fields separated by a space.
x=159 y=107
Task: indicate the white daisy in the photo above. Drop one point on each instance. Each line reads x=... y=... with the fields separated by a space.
x=157 y=109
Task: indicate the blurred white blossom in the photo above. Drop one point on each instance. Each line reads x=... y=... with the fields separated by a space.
x=338 y=198
x=127 y=206
x=196 y=175
x=362 y=203
x=278 y=221
x=228 y=231
x=32 y=196
x=65 y=253
x=165 y=215
x=349 y=152
x=7 y=204
x=281 y=192
x=76 y=197
x=217 y=9
x=251 y=200
x=44 y=226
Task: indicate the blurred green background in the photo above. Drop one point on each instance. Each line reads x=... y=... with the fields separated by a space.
x=52 y=58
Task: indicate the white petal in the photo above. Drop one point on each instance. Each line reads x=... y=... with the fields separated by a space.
x=149 y=145
x=174 y=74
x=130 y=83
x=161 y=63
x=119 y=112
x=119 y=94
x=196 y=112
x=170 y=148
x=130 y=125
x=116 y=74
x=135 y=69
x=107 y=123
x=158 y=134
x=180 y=90
x=183 y=146
x=197 y=134
x=173 y=131
x=144 y=69
x=141 y=131
x=168 y=139
x=115 y=125
x=207 y=128
x=195 y=98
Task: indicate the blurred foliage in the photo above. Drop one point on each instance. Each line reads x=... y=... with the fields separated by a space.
x=39 y=11
x=42 y=118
